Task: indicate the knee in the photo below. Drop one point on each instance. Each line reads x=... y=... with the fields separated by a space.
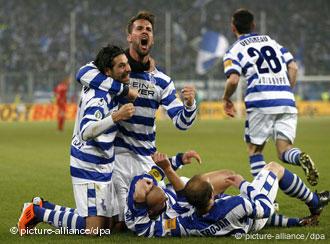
x=276 y=168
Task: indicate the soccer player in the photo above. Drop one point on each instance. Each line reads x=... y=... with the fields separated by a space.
x=92 y=154
x=135 y=141
x=60 y=92
x=270 y=72
x=248 y=211
x=152 y=210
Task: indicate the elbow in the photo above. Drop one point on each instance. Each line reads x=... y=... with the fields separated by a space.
x=293 y=66
x=233 y=79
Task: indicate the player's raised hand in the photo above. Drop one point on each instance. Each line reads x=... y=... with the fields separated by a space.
x=125 y=112
x=189 y=155
x=162 y=161
x=234 y=180
x=229 y=107
x=132 y=94
x=188 y=95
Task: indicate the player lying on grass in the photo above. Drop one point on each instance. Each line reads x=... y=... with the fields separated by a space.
x=92 y=152
x=155 y=211
x=248 y=211
x=42 y=211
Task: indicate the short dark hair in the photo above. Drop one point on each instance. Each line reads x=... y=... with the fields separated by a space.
x=198 y=193
x=104 y=58
x=243 y=21
x=141 y=15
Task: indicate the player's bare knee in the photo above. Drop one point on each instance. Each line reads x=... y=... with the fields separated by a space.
x=276 y=168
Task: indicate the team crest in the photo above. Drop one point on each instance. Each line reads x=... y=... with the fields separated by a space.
x=98 y=115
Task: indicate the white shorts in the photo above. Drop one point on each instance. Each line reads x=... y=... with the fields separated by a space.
x=259 y=127
x=95 y=199
x=267 y=183
x=127 y=166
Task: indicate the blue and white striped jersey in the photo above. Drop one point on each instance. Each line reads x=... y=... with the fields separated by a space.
x=156 y=89
x=166 y=224
x=233 y=214
x=263 y=62
x=92 y=160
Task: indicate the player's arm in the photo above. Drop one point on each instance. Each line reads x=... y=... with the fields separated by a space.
x=92 y=126
x=163 y=162
x=230 y=87
x=182 y=114
x=232 y=70
x=292 y=73
x=90 y=76
x=136 y=214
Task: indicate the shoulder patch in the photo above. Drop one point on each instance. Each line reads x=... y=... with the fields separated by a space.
x=228 y=63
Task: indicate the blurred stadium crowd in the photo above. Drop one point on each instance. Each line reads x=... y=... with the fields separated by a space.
x=35 y=34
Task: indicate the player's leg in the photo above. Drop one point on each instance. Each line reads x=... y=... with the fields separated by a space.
x=293 y=186
x=94 y=211
x=284 y=135
x=61 y=117
x=34 y=214
x=266 y=182
x=256 y=158
x=122 y=175
x=279 y=220
x=258 y=128
x=52 y=206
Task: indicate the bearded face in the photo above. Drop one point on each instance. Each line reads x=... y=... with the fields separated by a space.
x=141 y=37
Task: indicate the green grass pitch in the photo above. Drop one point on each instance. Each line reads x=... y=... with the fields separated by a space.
x=34 y=161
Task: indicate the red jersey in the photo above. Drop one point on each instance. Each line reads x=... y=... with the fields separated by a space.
x=60 y=93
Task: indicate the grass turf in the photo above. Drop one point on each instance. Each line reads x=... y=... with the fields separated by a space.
x=34 y=160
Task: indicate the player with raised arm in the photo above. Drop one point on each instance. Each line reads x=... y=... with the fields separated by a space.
x=92 y=155
x=135 y=141
x=154 y=211
x=270 y=72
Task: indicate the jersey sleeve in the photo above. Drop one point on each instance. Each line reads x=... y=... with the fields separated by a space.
x=182 y=116
x=176 y=161
x=90 y=76
x=231 y=64
x=287 y=56
x=94 y=111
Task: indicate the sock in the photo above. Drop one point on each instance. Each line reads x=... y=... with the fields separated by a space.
x=60 y=219
x=291 y=156
x=293 y=186
x=52 y=206
x=257 y=162
x=282 y=221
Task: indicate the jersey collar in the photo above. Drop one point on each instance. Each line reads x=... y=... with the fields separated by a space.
x=242 y=37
